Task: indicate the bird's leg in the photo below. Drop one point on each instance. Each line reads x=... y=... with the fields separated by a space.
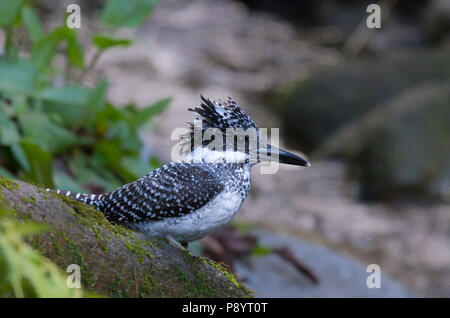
x=182 y=245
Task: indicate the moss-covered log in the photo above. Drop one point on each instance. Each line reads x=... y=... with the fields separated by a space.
x=115 y=261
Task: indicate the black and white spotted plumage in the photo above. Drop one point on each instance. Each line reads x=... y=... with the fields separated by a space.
x=173 y=190
x=184 y=200
x=222 y=115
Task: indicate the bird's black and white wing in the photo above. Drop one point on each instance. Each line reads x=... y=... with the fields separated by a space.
x=172 y=190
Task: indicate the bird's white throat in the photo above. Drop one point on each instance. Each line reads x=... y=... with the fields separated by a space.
x=206 y=155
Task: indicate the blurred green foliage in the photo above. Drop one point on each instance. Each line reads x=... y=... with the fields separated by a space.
x=23 y=271
x=54 y=130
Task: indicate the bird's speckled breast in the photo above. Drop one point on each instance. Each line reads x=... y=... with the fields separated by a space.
x=207 y=219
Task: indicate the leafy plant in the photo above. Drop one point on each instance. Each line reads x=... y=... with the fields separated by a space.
x=54 y=130
x=23 y=271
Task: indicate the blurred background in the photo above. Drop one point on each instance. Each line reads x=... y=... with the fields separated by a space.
x=89 y=109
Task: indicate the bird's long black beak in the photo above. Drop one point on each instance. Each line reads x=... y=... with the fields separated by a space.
x=286 y=157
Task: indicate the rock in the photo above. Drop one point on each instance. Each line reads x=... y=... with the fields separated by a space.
x=339 y=276
x=316 y=108
x=436 y=20
x=114 y=261
x=401 y=147
x=307 y=12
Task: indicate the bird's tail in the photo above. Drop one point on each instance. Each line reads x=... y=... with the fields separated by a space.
x=94 y=200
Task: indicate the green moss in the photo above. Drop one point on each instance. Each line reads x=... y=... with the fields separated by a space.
x=230 y=276
x=116 y=290
x=8 y=184
x=29 y=200
x=202 y=287
x=35 y=242
x=138 y=249
x=89 y=280
x=77 y=257
x=198 y=286
x=187 y=255
x=148 y=285
x=184 y=279
x=96 y=222
x=56 y=248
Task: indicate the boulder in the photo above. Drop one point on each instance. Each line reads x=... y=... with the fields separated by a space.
x=315 y=108
x=114 y=261
x=400 y=147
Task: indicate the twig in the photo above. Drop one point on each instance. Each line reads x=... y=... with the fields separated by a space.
x=136 y=283
x=90 y=66
x=287 y=255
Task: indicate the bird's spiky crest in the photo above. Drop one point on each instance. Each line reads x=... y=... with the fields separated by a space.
x=221 y=115
x=216 y=114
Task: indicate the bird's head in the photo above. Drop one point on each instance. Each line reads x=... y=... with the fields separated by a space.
x=223 y=132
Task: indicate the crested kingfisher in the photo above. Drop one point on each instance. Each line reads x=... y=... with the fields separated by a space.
x=186 y=199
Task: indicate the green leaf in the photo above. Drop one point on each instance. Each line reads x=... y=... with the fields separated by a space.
x=127 y=138
x=23 y=271
x=20 y=156
x=44 y=133
x=70 y=102
x=43 y=51
x=75 y=52
x=68 y=95
x=66 y=182
x=145 y=114
x=32 y=24
x=31 y=228
x=94 y=105
x=154 y=163
x=104 y=42
x=87 y=171
x=105 y=117
x=40 y=161
x=11 y=51
x=134 y=168
x=107 y=152
x=18 y=76
x=96 y=101
x=261 y=250
x=127 y=13
x=8 y=132
x=9 y=11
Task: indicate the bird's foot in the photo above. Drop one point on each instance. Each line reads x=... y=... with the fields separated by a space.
x=181 y=245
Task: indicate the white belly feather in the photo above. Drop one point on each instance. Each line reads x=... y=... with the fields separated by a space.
x=198 y=224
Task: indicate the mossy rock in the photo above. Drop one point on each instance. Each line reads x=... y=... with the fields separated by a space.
x=314 y=109
x=114 y=261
